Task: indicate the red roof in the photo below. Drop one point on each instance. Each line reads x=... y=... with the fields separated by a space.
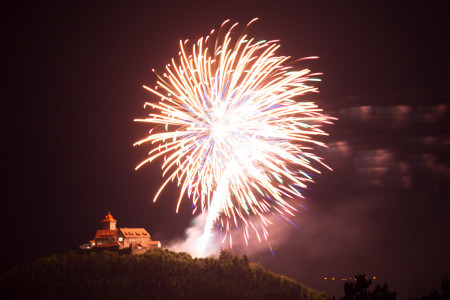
x=109 y=218
x=106 y=233
x=154 y=243
x=134 y=232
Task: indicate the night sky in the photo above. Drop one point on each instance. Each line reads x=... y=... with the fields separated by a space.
x=73 y=85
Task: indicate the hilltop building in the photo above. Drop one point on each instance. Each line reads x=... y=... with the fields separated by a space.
x=120 y=238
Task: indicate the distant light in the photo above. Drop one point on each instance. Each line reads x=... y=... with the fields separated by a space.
x=374 y=277
x=120 y=239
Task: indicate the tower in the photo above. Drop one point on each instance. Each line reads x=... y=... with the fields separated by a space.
x=109 y=223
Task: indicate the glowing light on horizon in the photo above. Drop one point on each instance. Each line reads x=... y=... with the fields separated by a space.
x=232 y=133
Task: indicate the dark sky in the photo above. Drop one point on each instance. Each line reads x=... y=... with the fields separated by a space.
x=73 y=85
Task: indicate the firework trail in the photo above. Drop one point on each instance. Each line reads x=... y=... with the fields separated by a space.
x=232 y=132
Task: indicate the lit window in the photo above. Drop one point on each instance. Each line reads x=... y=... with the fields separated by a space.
x=120 y=239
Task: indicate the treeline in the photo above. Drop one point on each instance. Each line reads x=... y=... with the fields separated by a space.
x=359 y=290
x=157 y=274
x=435 y=295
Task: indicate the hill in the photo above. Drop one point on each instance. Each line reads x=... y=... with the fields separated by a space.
x=157 y=274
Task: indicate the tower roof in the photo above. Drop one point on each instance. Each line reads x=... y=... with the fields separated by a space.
x=109 y=218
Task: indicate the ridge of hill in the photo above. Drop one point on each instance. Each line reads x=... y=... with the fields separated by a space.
x=157 y=274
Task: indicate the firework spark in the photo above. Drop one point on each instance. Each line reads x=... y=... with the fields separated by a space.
x=236 y=138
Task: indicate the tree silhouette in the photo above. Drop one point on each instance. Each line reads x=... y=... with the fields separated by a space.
x=434 y=295
x=358 y=290
x=157 y=274
x=446 y=288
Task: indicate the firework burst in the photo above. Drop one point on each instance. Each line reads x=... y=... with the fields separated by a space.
x=232 y=131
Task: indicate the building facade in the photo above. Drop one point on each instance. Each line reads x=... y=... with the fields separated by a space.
x=121 y=238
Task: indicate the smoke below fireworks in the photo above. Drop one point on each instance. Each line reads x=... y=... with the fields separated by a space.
x=194 y=236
